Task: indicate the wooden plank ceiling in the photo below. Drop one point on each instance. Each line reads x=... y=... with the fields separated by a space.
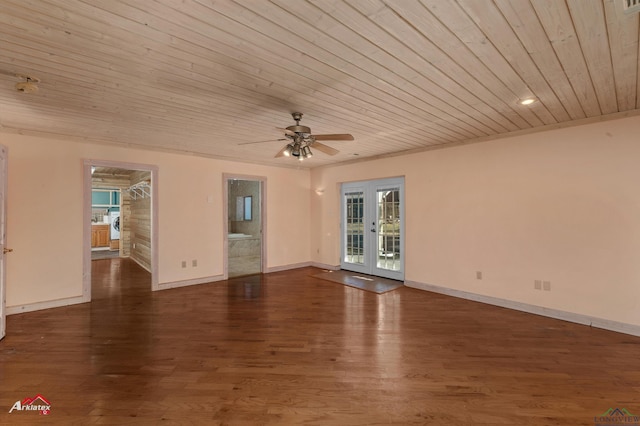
x=206 y=77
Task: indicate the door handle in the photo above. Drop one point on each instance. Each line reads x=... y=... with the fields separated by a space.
x=6 y=250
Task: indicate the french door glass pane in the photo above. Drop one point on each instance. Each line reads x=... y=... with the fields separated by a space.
x=388 y=205
x=354 y=241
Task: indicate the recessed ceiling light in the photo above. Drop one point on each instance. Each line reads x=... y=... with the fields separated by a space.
x=527 y=101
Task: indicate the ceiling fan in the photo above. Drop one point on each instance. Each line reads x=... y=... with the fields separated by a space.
x=301 y=140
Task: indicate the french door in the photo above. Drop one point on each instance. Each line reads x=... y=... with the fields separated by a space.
x=373 y=228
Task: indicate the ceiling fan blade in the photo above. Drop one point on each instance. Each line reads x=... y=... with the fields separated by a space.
x=281 y=152
x=342 y=137
x=324 y=148
x=270 y=140
x=286 y=131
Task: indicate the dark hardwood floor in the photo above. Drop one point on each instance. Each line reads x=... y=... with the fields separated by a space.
x=286 y=348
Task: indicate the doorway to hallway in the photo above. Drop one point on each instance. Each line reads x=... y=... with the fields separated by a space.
x=120 y=215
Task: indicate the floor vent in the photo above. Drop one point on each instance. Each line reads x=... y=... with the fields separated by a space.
x=631 y=6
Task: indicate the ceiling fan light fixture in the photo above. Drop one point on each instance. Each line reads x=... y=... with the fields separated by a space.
x=300 y=140
x=296 y=150
x=306 y=152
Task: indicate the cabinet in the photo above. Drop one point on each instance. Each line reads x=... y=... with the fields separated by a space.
x=99 y=235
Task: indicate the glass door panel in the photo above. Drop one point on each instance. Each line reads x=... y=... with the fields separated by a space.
x=388 y=237
x=354 y=228
x=354 y=235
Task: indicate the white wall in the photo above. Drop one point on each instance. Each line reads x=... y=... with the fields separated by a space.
x=561 y=206
x=45 y=227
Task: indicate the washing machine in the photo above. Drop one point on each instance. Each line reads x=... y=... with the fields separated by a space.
x=114 y=221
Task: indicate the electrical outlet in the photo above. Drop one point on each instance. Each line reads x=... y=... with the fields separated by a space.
x=546 y=285
x=478 y=275
x=194 y=262
x=184 y=263
x=537 y=284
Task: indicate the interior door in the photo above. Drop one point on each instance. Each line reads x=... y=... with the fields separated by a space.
x=3 y=249
x=373 y=228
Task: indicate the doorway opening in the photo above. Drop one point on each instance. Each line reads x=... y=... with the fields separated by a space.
x=373 y=228
x=120 y=218
x=244 y=225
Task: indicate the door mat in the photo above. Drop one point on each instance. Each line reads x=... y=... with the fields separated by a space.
x=363 y=282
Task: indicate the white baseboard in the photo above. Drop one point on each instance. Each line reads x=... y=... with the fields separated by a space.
x=185 y=283
x=325 y=266
x=604 y=324
x=287 y=267
x=30 y=307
